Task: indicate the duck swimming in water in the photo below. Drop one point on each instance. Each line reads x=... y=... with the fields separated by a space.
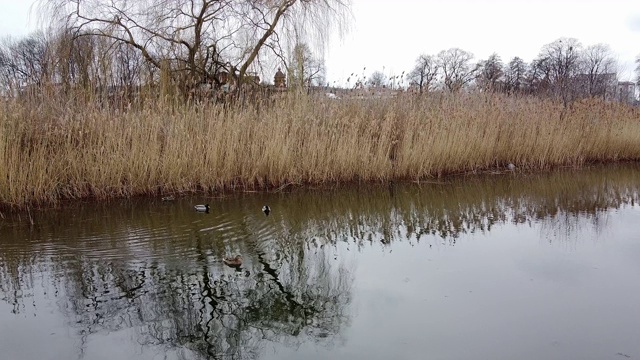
x=168 y=198
x=202 y=208
x=233 y=262
x=266 y=210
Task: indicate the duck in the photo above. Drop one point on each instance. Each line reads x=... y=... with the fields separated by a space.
x=233 y=262
x=169 y=198
x=266 y=210
x=202 y=208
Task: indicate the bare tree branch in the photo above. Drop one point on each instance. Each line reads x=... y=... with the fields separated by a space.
x=196 y=39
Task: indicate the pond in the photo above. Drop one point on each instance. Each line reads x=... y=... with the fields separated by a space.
x=503 y=266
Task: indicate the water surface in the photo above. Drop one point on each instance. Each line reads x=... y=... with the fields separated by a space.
x=491 y=267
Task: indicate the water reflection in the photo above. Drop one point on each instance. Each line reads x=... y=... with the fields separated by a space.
x=153 y=270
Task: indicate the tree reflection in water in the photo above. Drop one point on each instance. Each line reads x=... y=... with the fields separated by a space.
x=209 y=310
x=157 y=269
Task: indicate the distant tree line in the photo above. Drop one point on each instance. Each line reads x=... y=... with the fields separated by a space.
x=563 y=69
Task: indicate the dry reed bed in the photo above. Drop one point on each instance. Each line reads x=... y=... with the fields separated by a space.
x=55 y=150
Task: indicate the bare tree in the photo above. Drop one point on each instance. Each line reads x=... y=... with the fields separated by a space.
x=26 y=62
x=537 y=78
x=424 y=73
x=377 y=79
x=127 y=64
x=304 y=68
x=514 y=75
x=490 y=72
x=456 y=68
x=7 y=70
x=5 y=74
x=562 y=60
x=598 y=71
x=196 y=40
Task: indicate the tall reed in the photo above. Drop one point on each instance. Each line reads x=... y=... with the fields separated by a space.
x=64 y=148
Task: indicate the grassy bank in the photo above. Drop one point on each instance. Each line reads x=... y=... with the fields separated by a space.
x=53 y=150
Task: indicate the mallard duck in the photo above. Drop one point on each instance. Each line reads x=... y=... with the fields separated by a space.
x=266 y=210
x=202 y=208
x=233 y=262
x=168 y=198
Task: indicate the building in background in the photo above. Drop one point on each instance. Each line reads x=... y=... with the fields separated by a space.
x=627 y=92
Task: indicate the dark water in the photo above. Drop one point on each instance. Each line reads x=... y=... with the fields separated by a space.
x=495 y=267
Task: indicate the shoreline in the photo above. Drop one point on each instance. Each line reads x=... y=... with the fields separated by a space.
x=290 y=187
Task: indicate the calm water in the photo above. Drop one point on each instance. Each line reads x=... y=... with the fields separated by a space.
x=496 y=267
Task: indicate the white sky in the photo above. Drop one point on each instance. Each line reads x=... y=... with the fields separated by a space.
x=389 y=35
x=393 y=33
x=15 y=18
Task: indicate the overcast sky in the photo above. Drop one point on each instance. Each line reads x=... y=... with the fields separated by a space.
x=392 y=36
x=389 y=35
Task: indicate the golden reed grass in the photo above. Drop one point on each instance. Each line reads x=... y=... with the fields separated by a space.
x=53 y=149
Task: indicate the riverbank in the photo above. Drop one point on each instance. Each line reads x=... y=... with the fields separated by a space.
x=52 y=151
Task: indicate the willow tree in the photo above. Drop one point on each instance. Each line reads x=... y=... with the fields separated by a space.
x=198 y=40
